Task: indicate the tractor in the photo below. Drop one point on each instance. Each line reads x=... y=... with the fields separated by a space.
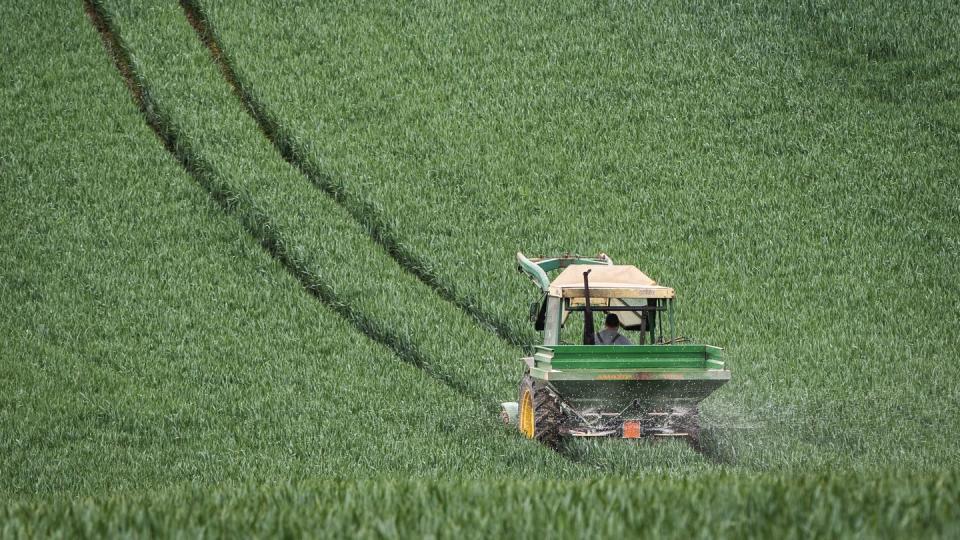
x=648 y=388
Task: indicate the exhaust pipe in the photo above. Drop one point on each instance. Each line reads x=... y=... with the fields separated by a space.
x=588 y=332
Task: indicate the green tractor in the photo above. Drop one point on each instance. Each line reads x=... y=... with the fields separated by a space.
x=648 y=388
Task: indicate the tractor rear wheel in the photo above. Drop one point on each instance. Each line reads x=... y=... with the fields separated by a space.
x=539 y=413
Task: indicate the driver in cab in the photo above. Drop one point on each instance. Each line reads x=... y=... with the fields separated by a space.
x=610 y=335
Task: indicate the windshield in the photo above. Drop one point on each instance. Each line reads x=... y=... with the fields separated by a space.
x=639 y=326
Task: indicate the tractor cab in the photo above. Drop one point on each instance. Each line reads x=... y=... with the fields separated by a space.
x=643 y=307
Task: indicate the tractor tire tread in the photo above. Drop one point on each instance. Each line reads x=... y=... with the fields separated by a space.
x=546 y=413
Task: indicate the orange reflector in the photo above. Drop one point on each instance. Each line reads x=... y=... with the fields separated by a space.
x=631 y=429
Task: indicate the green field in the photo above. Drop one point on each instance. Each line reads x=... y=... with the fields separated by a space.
x=258 y=269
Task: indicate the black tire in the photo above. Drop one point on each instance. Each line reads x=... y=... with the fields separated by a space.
x=546 y=412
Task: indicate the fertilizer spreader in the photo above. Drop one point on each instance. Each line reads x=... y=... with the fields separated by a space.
x=648 y=388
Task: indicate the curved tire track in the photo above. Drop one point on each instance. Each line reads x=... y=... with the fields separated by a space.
x=362 y=211
x=254 y=220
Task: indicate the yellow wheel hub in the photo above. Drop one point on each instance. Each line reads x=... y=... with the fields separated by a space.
x=526 y=414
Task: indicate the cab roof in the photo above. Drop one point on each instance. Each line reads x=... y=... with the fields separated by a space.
x=607 y=281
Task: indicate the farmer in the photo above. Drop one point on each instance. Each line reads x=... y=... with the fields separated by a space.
x=610 y=335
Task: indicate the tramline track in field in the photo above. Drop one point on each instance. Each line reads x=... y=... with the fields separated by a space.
x=361 y=210
x=257 y=223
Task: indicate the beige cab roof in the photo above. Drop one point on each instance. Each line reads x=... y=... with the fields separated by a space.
x=607 y=281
